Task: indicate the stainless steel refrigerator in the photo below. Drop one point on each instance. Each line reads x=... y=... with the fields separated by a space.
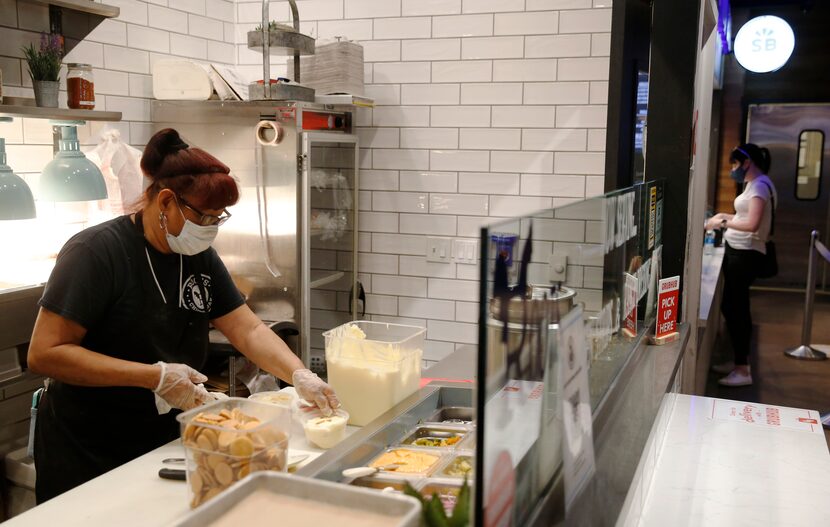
x=291 y=245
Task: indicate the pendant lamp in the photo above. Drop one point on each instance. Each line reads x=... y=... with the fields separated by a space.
x=16 y=201
x=71 y=176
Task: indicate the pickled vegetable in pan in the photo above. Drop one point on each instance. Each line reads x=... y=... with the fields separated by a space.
x=437 y=441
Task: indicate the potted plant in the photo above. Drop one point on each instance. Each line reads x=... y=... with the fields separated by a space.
x=44 y=68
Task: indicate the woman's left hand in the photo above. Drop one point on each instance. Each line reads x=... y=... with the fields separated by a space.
x=714 y=222
x=314 y=390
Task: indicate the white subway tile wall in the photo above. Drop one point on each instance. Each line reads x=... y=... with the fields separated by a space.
x=121 y=51
x=485 y=109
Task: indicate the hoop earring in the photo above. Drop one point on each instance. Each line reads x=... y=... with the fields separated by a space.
x=162 y=221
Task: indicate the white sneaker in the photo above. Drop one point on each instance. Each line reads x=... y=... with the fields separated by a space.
x=723 y=368
x=736 y=378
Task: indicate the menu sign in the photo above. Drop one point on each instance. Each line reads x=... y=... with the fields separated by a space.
x=668 y=293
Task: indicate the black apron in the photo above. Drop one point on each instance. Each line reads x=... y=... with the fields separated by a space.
x=83 y=432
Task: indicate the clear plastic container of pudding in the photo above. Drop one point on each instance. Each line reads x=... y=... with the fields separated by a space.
x=279 y=398
x=407 y=462
x=435 y=436
x=460 y=465
x=227 y=440
x=321 y=430
x=373 y=366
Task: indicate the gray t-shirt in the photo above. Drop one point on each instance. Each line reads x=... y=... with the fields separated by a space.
x=759 y=187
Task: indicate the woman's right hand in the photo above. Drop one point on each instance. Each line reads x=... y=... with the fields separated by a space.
x=178 y=385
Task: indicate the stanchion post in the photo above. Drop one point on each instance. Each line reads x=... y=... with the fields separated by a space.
x=804 y=351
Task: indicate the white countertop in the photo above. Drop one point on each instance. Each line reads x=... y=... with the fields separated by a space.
x=713 y=471
x=133 y=495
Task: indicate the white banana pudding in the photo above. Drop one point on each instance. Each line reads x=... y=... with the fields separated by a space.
x=325 y=432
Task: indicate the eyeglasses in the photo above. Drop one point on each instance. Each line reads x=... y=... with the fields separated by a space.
x=207 y=219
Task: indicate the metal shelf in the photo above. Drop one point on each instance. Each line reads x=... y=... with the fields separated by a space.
x=56 y=114
x=81 y=6
x=321 y=278
x=282 y=42
x=345 y=99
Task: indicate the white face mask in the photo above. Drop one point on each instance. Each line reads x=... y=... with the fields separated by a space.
x=193 y=239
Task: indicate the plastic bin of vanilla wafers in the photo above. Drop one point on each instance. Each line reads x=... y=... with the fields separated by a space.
x=229 y=439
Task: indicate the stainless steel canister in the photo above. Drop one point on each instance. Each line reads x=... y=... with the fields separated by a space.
x=518 y=350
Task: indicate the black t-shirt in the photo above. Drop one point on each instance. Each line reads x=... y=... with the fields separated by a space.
x=100 y=281
x=103 y=281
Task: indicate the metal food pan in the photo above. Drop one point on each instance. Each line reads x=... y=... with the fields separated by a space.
x=436 y=432
x=398 y=474
x=442 y=487
x=469 y=441
x=448 y=461
x=406 y=510
x=453 y=415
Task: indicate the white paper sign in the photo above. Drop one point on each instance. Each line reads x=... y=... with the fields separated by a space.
x=766 y=416
x=578 y=444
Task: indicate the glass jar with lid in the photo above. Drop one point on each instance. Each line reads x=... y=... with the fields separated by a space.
x=80 y=87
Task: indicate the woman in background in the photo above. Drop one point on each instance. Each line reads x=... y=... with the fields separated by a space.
x=746 y=234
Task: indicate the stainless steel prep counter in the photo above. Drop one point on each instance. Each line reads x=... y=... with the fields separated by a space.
x=133 y=494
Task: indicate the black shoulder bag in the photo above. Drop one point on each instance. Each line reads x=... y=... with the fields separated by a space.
x=769 y=264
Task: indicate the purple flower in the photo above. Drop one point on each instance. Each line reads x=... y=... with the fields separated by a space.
x=50 y=43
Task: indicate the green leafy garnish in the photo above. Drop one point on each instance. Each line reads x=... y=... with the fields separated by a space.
x=433 y=511
x=461 y=512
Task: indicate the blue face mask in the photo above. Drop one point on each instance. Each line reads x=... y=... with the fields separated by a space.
x=738 y=174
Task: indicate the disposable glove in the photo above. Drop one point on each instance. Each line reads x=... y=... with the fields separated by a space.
x=179 y=386
x=312 y=388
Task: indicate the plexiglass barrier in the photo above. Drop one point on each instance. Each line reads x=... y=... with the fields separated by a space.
x=565 y=296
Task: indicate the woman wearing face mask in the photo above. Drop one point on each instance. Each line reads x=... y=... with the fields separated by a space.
x=123 y=325
x=747 y=232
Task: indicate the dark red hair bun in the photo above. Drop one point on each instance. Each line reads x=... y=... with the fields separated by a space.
x=191 y=172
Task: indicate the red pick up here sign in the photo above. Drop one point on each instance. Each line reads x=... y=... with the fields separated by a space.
x=668 y=292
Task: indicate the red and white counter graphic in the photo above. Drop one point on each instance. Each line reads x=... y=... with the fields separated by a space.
x=766 y=416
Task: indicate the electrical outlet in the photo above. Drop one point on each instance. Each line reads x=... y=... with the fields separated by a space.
x=439 y=250
x=465 y=251
x=558 y=269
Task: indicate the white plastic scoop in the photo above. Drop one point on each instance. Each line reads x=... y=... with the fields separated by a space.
x=362 y=472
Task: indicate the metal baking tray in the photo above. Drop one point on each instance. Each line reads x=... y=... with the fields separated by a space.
x=452 y=415
x=406 y=510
